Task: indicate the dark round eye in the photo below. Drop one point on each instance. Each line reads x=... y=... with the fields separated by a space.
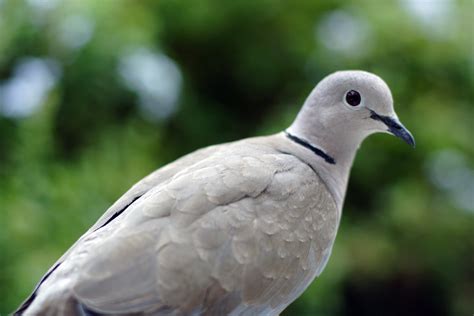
x=353 y=98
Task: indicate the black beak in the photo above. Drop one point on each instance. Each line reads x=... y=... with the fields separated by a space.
x=394 y=127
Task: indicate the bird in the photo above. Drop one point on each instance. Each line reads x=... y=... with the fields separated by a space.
x=240 y=228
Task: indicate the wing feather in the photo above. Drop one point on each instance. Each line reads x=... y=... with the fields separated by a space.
x=178 y=254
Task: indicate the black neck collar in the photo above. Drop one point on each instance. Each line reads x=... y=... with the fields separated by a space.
x=316 y=150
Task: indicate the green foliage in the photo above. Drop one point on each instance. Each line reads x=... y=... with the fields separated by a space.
x=405 y=244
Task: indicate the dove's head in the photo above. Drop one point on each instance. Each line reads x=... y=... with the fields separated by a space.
x=344 y=108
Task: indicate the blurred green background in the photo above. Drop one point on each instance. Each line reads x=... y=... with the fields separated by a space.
x=94 y=95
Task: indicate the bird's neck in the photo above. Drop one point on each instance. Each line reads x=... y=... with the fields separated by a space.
x=336 y=174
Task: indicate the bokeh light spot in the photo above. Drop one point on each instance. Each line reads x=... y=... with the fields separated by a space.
x=155 y=78
x=25 y=92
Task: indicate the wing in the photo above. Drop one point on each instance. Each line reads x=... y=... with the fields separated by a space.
x=227 y=233
x=161 y=222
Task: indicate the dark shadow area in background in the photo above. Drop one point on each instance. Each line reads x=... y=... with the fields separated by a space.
x=400 y=294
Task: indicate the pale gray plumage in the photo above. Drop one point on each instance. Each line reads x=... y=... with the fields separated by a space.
x=240 y=228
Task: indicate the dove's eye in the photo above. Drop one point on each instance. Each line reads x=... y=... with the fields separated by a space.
x=353 y=98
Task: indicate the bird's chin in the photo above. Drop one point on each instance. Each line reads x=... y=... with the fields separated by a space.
x=372 y=131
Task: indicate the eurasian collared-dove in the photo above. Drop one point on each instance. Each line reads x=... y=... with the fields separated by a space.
x=240 y=228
